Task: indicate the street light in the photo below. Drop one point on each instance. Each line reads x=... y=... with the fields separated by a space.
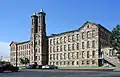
x=1 y=57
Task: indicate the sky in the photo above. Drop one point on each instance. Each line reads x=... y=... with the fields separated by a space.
x=61 y=15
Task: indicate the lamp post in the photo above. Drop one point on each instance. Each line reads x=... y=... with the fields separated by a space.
x=1 y=57
x=16 y=56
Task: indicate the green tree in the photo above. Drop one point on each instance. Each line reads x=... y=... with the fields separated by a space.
x=115 y=39
x=24 y=61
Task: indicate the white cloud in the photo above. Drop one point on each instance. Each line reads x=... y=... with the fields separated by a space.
x=4 y=49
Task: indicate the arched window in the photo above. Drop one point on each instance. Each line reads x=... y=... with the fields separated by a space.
x=93 y=33
x=88 y=44
x=88 y=34
x=82 y=35
x=93 y=54
x=93 y=44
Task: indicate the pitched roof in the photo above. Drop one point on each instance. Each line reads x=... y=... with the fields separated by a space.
x=12 y=43
x=23 y=42
x=19 y=42
x=98 y=25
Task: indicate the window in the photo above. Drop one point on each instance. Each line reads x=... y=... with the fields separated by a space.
x=39 y=50
x=93 y=44
x=111 y=53
x=36 y=43
x=56 y=63
x=69 y=38
x=64 y=47
x=29 y=46
x=32 y=21
x=73 y=55
x=60 y=39
x=82 y=45
x=57 y=41
x=53 y=56
x=73 y=48
x=50 y=56
x=83 y=62
x=57 y=56
x=82 y=54
x=53 y=49
x=39 y=28
x=65 y=39
x=21 y=48
x=68 y=55
x=77 y=63
x=88 y=54
x=77 y=37
x=39 y=19
x=82 y=35
x=93 y=54
x=61 y=48
x=50 y=41
x=35 y=57
x=24 y=46
x=39 y=42
x=77 y=55
x=68 y=47
x=93 y=62
x=88 y=62
x=50 y=49
x=88 y=44
x=54 y=41
x=77 y=46
x=60 y=56
x=93 y=33
x=73 y=39
x=35 y=50
x=64 y=55
x=87 y=26
x=64 y=63
x=57 y=48
x=88 y=34
x=60 y=63
x=29 y=52
x=72 y=62
x=68 y=63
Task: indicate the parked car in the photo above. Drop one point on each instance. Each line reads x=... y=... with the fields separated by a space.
x=49 y=67
x=6 y=66
x=39 y=66
x=32 y=66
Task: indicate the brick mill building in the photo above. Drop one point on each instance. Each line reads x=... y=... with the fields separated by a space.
x=85 y=46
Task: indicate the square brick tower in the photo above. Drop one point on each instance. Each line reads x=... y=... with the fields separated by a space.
x=38 y=38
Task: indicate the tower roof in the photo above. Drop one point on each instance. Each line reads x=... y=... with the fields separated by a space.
x=34 y=13
x=41 y=10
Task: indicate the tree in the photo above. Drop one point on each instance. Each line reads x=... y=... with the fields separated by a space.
x=115 y=39
x=24 y=61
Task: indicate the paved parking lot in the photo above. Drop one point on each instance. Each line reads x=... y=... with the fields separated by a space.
x=60 y=73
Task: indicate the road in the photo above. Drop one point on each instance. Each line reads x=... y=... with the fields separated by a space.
x=60 y=73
